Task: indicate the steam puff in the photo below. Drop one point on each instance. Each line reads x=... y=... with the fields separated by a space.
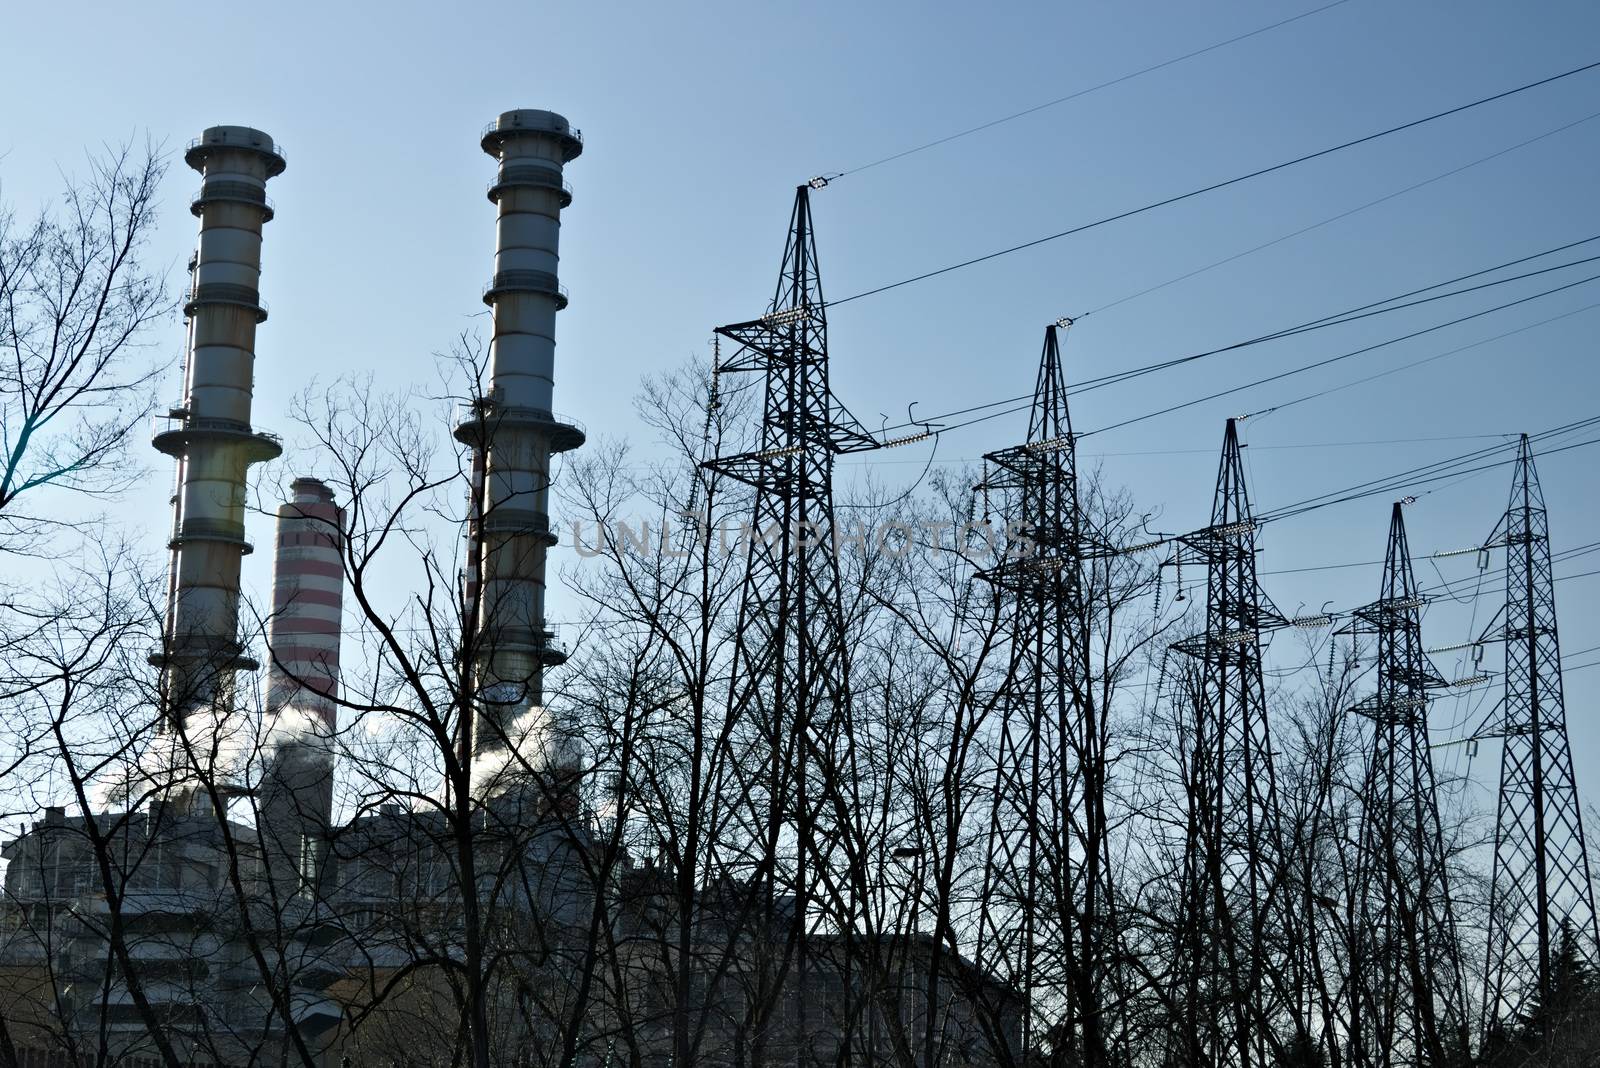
x=300 y=727
x=207 y=746
x=534 y=743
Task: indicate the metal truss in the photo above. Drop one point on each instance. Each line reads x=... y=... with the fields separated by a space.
x=1541 y=908
x=1407 y=999
x=1047 y=885
x=789 y=694
x=1238 y=959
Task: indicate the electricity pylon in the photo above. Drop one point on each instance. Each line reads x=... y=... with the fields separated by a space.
x=1047 y=884
x=1541 y=890
x=789 y=688
x=1407 y=1004
x=1236 y=979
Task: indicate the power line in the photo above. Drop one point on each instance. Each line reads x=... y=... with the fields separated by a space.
x=1338 y=318
x=1336 y=359
x=1425 y=591
x=1080 y=93
x=1323 y=567
x=1196 y=583
x=1445 y=590
x=1426 y=474
x=956 y=460
x=1448 y=468
x=1418 y=363
x=1213 y=187
x=1342 y=215
x=1566 y=554
x=1558 y=558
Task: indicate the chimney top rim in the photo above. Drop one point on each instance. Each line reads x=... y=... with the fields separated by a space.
x=306 y=486
x=240 y=138
x=533 y=122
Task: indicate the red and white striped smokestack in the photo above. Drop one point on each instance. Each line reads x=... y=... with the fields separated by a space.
x=307 y=595
x=296 y=791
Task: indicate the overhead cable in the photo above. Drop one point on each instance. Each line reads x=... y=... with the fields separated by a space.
x=1223 y=184
x=858 y=168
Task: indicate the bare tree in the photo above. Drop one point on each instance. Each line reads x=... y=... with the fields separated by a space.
x=138 y=909
x=623 y=908
x=76 y=299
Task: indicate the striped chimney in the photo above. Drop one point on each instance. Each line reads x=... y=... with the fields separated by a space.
x=307 y=592
x=296 y=794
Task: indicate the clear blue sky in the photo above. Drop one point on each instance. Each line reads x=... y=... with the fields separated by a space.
x=700 y=119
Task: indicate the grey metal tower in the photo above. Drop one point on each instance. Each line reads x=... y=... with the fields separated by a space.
x=514 y=433
x=1542 y=894
x=1407 y=1004
x=1047 y=884
x=789 y=688
x=208 y=432
x=1235 y=981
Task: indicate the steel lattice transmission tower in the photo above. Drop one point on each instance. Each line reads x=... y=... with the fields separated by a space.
x=1542 y=895
x=1407 y=1002
x=1047 y=884
x=789 y=674
x=1235 y=966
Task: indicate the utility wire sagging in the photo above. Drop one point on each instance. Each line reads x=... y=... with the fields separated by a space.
x=1213 y=187
x=1398 y=302
x=825 y=180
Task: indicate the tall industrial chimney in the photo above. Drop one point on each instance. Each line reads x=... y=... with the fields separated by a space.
x=296 y=794
x=514 y=432
x=208 y=432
